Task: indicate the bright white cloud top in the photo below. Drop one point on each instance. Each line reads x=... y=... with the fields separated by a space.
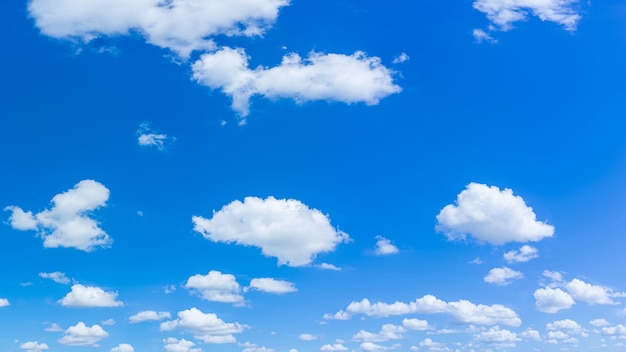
x=524 y=254
x=67 y=223
x=502 y=276
x=270 y=285
x=172 y=344
x=503 y=13
x=34 y=346
x=204 y=326
x=385 y=246
x=349 y=79
x=123 y=347
x=83 y=335
x=283 y=228
x=491 y=215
x=89 y=297
x=216 y=287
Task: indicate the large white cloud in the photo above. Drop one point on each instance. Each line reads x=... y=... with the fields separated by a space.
x=503 y=13
x=269 y=285
x=349 y=79
x=34 y=346
x=283 y=228
x=67 y=223
x=463 y=311
x=179 y=25
x=216 y=287
x=491 y=215
x=148 y=315
x=89 y=296
x=204 y=326
x=502 y=276
x=552 y=300
x=82 y=335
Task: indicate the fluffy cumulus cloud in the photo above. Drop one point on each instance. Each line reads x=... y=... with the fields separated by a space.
x=204 y=326
x=283 y=228
x=83 y=335
x=568 y=325
x=307 y=337
x=175 y=345
x=384 y=246
x=524 y=254
x=270 y=285
x=599 y=322
x=34 y=346
x=617 y=330
x=491 y=215
x=56 y=276
x=387 y=332
x=180 y=25
x=146 y=137
x=148 y=315
x=333 y=347
x=496 y=337
x=592 y=294
x=415 y=324
x=67 y=223
x=216 y=287
x=372 y=347
x=503 y=13
x=123 y=347
x=89 y=296
x=4 y=302
x=502 y=276
x=349 y=79
x=552 y=300
x=463 y=311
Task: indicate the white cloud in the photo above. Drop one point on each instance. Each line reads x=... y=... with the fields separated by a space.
x=500 y=338
x=530 y=335
x=503 y=13
x=551 y=300
x=387 y=332
x=123 y=347
x=384 y=246
x=618 y=330
x=334 y=347
x=67 y=223
x=491 y=215
x=175 y=345
x=327 y=266
x=463 y=311
x=82 y=335
x=415 y=324
x=599 y=322
x=89 y=296
x=524 y=254
x=54 y=327
x=148 y=315
x=430 y=345
x=555 y=276
x=147 y=137
x=56 y=276
x=34 y=346
x=349 y=79
x=181 y=26
x=258 y=349
x=4 y=302
x=283 y=228
x=372 y=347
x=592 y=294
x=502 y=276
x=216 y=287
x=270 y=285
x=307 y=337
x=204 y=326
x=401 y=58
x=482 y=36
x=568 y=325
x=109 y=322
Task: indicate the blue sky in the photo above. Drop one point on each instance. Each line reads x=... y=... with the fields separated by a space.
x=276 y=175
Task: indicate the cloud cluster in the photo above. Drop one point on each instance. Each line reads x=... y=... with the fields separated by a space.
x=82 y=335
x=503 y=13
x=491 y=215
x=283 y=228
x=463 y=311
x=88 y=297
x=204 y=326
x=67 y=223
x=349 y=79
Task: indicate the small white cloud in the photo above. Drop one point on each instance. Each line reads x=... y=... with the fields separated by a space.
x=67 y=223
x=592 y=294
x=530 y=335
x=54 y=327
x=333 y=347
x=56 y=276
x=524 y=254
x=482 y=36
x=148 y=315
x=415 y=324
x=551 y=300
x=618 y=330
x=496 y=337
x=270 y=285
x=372 y=347
x=307 y=337
x=109 y=322
x=327 y=266
x=204 y=326
x=491 y=215
x=4 y=302
x=387 y=332
x=175 y=345
x=89 y=296
x=123 y=347
x=147 y=137
x=599 y=322
x=384 y=246
x=503 y=13
x=283 y=228
x=568 y=325
x=502 y=276
x=34 y=346
x=216 y=287
x=401 y=58
x=82 y=335
x=476 y=261
x=349 y=79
